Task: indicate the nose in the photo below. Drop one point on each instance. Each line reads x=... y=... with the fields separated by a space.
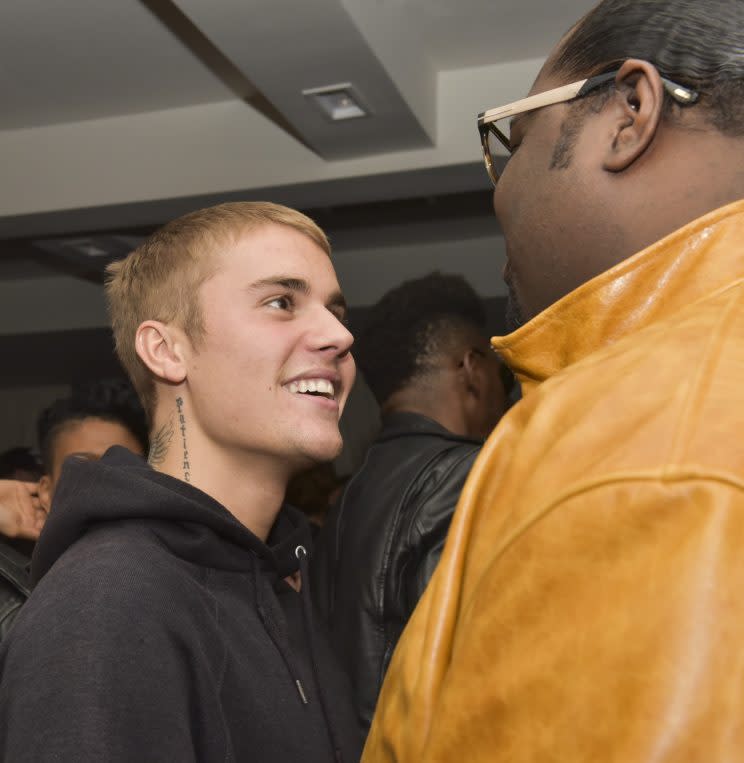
x=331 y=335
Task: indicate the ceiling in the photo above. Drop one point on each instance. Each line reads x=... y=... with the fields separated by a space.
x=118 y=115
x=82 y=60
x=121 y=114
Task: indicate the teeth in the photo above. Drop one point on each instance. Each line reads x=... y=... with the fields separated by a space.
x=311 y=385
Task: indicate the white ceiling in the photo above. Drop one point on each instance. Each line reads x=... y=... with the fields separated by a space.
x=465 y=33
x=86 y=59
x=124 y=113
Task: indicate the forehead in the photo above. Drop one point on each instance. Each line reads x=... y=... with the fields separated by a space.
x=272 y=249
x=91 y=435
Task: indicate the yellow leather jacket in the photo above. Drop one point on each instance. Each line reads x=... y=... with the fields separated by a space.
x=589 y=604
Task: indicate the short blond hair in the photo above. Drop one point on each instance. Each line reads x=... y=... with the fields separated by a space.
x=160 y=279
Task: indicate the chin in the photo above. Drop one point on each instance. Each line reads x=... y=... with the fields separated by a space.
x=319 y=449
x=329 y=452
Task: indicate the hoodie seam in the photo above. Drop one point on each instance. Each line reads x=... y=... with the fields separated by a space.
x=209 y=573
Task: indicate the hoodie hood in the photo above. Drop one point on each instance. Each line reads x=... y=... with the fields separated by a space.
x=122 y=486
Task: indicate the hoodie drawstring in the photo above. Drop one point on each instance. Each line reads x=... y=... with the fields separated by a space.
x=307 y=617
x=272 y=629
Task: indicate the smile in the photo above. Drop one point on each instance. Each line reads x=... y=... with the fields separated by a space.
x=317 y=387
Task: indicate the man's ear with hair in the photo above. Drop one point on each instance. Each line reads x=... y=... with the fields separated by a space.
x=636 y=112
x=163 y=349
x=472 y=372
x=45 y=493
x=473 y=390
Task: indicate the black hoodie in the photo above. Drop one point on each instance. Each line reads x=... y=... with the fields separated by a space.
x=162 y=630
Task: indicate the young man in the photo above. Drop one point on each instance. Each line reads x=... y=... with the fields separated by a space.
x=86 y=424
x=169 y=621
x=588 y=602
x=425 y=355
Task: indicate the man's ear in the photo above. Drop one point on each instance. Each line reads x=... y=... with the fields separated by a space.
x=162 y=348
x=472 y=373
x=45 y=493
x=638 y=112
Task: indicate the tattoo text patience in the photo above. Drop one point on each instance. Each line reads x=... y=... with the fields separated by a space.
x=182 y=427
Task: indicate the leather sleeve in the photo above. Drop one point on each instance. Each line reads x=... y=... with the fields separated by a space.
x=606 y=626
x=420 y=539
x=14 y=586
x=10 y=606
x=431 y=521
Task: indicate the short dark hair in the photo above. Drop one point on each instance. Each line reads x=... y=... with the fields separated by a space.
x=110 y=399
x=693 y=43
x=406 y=329
x=19 y=459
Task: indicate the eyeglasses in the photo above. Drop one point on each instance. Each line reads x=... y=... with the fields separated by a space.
x=490 y=131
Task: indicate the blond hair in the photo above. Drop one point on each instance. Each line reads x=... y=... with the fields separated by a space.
x=160 y=279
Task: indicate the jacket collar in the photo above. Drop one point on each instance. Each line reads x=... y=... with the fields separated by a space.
x=405 y=423
x=693 y=262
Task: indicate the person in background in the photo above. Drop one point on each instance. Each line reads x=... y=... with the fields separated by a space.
x=21 y=515
x=314 y=492
x=94 y=417
x=588 y=603
x=21 y=520
x=173 y=597
x=20 y=464
x=425 y=356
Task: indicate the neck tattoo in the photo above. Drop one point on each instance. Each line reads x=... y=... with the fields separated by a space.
x=159 y=444
x=182 y=427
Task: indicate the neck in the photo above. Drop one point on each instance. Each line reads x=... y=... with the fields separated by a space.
x=698 y=260
x=251 y=486
x=434 y=403
x=691 y=172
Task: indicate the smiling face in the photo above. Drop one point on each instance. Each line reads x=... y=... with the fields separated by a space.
x=271 y=375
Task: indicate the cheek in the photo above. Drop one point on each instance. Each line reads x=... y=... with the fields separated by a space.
x=348 y=376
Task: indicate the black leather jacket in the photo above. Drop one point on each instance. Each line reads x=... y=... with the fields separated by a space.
x=15 y=587
x=382 y=541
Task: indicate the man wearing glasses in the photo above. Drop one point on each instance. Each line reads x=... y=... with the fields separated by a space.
x=588 y=603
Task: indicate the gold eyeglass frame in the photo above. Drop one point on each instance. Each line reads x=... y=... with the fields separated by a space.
x=487 y=119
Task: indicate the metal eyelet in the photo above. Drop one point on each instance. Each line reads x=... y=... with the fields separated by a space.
x=300 y=550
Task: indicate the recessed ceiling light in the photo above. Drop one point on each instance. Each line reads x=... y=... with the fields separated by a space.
x=337 y=102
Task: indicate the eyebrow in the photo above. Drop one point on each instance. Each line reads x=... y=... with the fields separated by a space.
x=336 y=301
x=286 y=282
